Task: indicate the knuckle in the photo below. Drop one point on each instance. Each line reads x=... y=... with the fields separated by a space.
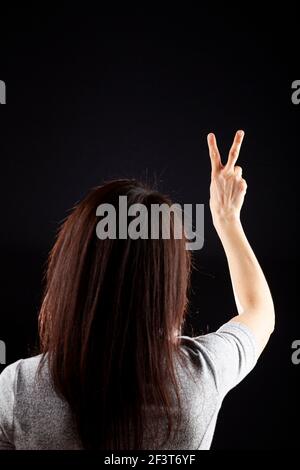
x=227 y=174
x=243 y=184
x=233 y=152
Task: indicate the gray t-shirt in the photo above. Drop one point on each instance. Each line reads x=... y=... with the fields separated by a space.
x=33 y=416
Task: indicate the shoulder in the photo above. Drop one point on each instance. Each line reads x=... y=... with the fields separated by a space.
x=19 y=373
x=227 y=354
x=8 y=376
x=231 y=334
x=28 y=367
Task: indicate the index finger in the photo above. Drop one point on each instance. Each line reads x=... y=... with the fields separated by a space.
x=214 y=153
x=235 y=150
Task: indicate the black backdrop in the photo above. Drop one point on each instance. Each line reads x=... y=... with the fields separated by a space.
x=91 y=96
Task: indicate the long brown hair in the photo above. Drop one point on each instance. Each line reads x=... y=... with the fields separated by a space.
x=109 y=313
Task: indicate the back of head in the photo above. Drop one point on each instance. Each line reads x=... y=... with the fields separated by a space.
x=109 y=319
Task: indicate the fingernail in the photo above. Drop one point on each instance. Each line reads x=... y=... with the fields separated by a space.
x=241 y=133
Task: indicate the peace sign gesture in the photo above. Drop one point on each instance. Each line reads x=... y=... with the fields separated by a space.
x=228 y=188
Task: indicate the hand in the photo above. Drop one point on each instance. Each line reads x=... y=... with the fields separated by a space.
x=228 y=188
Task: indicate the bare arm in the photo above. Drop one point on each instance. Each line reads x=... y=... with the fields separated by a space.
x=252 y=295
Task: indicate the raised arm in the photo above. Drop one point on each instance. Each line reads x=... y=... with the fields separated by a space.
x=251 y=291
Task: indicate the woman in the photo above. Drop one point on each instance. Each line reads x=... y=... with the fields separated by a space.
x=114 y=371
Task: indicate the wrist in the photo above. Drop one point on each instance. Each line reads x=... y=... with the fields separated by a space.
x=227 y=223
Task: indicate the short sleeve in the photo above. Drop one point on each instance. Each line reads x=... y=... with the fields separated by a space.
x=230 y=354
x=7 y=395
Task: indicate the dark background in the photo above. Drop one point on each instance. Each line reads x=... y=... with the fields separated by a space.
x=91 y=96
